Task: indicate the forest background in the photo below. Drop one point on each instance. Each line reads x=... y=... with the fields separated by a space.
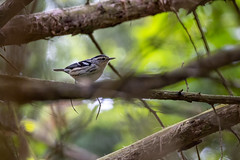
x=147 y=46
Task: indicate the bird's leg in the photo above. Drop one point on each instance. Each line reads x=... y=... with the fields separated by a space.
x=72 y=102
x=99 y=108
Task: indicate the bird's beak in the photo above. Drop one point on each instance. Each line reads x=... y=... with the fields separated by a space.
x=111 y=59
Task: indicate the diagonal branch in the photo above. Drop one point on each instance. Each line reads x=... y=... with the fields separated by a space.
x=27 y=89
x=179 y=135
x=198 y=68
x=10 y=8
x=100 y=50
x=9 y=63
x=208 y=52
x=145 y=104
x=85 y=19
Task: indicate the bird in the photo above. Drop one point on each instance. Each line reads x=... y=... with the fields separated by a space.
x=87 y=71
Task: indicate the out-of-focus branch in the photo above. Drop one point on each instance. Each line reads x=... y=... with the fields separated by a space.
x=27 y=89
x=10 y=8
x=179 y=136
x=101 y=52
x=85 y=19
x=69 y=151
x=9 y=63
x=207 y=48
x=145 y=104
x=202 y=67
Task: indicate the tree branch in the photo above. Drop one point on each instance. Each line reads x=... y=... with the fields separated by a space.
x=197 y=68
x=28 y=89
x=191 y=96
x=69 y=151
x=10 y=8
x=85 y=19
x=179 y=135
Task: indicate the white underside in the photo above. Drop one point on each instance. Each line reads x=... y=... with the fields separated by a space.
x=89 y=78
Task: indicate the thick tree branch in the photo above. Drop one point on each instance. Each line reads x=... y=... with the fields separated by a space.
x=27 y=89
x=178 y=136
x=85 y=19
x=10 y=8
x=198 y=68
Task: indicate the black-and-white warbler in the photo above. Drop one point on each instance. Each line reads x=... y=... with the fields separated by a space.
x=88 y=70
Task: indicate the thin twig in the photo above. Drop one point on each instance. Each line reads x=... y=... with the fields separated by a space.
x=119 y=75
x=235 y=134
x=185 y=28
x=99 y=108
x=220 y=130
x=73 y=106
x=15 y=118
x=201 y=31
x=190 y=38
x=208 y=52
x=224 y=82
x=8 y=62
x=187 y=86
x=198 y=154
x=236 y=7
x=205 y=44
x=10 y=146
x=72 y=103
x=100 y=50
x=153 y=112
x=57 y=118
x=182 y=155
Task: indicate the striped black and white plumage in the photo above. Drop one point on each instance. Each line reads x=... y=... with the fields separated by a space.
x=88 y=70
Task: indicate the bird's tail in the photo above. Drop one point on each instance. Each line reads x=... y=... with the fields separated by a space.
x=58 y=70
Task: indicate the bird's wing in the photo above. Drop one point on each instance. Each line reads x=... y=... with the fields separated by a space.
x=79 y=64
x=84 y=70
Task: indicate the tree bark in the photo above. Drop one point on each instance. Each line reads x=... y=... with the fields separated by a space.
x=26 y=89
x=181 y=135
x=10 y=8
x=85 y=19
x=192 y=97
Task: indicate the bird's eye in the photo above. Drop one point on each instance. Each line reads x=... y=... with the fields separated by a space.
x=103 y=58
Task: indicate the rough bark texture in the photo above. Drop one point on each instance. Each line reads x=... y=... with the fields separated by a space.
x=10 y=8
x=26 y=89
x=178 y=136
x=85 y=19
x=190 y=97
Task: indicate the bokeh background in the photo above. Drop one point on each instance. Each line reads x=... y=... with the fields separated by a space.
x=151 y=45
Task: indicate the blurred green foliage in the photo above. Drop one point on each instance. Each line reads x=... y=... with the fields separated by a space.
x=151 y=45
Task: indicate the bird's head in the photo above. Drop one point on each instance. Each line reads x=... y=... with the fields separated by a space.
x=101 y=60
